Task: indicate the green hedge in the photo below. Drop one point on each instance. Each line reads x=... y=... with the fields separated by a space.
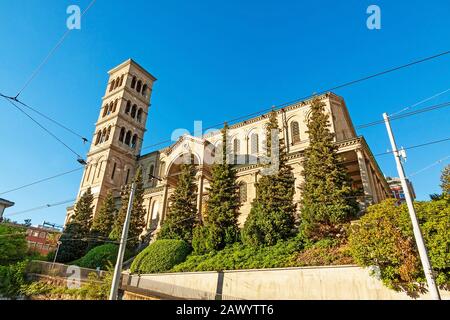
x=101 y=256
x=240 y=256
x=160 y=256
x=12 y=278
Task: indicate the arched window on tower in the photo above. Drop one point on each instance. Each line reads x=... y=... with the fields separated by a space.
x=108 y=132
x=139 y=86
x=133 y=82
x=133 y=111
x=117 y=83
x=115 y=105
x=111 y=87
x=128 y=107
x=99 y=135
x=102 y=139
x=105 y=110
x=134 y=141
x=144 y=89
x=295 y=132
x=236 y=150
x=121 y=81
x=139 y=115
x=128 y=138
x=122 y=134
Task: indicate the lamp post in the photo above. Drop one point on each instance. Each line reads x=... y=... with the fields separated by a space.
x=56 y=253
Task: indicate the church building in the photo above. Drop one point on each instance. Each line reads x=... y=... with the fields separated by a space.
x=115 y=152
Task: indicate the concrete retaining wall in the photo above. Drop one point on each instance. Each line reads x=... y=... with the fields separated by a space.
x=334 y=282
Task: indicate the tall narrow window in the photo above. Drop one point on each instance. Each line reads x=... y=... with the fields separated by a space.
x=108 y=132
x=113 y=171
x=295 y=132
x=115 y=105
x=139 y=86
x=133 y=82
x=151 y=170
x=111 y=87
x=105 y=110
x=254 y=144
x=128 y=138
x=242 y=192
x=128 y=107
x=121 y=81
x=122 y=134
x=134 y=141
x=97 y=140
x=236 y=150
x=99 y=169
x=128 y=175
x=133 y=111
x=139 y=115
x=144 y=89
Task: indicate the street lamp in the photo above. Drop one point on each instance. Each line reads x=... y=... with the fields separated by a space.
x=56 y=253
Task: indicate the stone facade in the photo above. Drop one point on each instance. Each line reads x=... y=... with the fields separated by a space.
x=113 y=158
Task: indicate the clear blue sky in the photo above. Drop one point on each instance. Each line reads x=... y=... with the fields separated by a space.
x=215 y=61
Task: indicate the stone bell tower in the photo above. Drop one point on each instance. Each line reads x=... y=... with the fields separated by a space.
x=119 y=130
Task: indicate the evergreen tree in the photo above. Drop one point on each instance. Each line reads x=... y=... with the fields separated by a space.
x=103 y=220
x=272 y=216
x=445 y=180
x=182 y=213
x=84 y=211
x=75 y=238
x=137 y=218
x=222 y=207
x=328 y=199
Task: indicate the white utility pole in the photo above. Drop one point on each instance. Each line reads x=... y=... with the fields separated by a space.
x=123 y=243
x=412 y=213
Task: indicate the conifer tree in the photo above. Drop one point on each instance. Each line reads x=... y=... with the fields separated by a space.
x=104 y=219
x=75 y=238
x=137 y=218
x=272 y=216
x=222 y=207
x=182 y=212
x=328 y=199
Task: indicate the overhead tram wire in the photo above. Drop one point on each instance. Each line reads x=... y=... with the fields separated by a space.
x=41 y=180
x=39 y=207
x=80 y=159
x=51 y=52
x=421 y=101
x=373 y=123
x=256 y=112
x=429 y=166
x=415 y=146
x=340 y=86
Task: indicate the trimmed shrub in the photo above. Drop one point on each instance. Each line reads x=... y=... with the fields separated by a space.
x=101 y=256
x=160 y=256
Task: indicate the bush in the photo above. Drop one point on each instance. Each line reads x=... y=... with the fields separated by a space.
x=160 y=256
x=324 y=252
x=13 y=246
x=240 y=256
x=99 y=257
x=12 y=277
x=384 y=237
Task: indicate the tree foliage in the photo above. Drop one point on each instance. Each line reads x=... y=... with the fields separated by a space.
x=13 y=246
x=222 y=207
x=137 y=218
x=104 y=219
x=384 y=238
x=272 y=216
x=328 y=199
x=182 y=213
x=75 y=237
